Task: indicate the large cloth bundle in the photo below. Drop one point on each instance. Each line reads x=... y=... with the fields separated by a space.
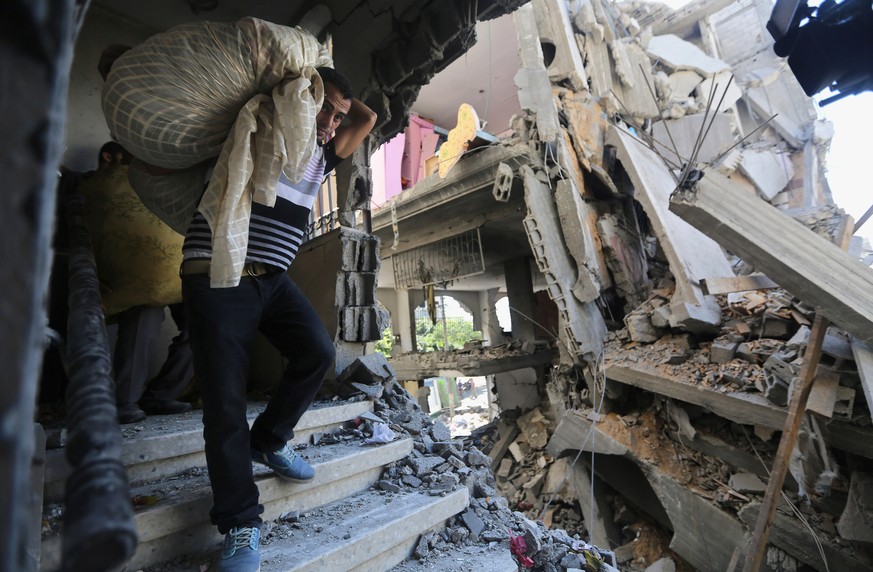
x=246 y=92
x=137 y=255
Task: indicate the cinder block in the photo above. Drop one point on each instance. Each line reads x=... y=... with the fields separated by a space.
x=722 y=351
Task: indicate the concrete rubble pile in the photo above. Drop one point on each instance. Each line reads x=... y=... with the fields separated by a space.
x=677 y=355
x=438 y=465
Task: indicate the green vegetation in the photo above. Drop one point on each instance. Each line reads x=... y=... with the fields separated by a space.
x=430 y=337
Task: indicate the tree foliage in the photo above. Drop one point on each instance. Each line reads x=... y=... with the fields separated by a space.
x=430 y=337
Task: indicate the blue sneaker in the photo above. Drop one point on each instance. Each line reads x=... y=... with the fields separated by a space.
x=286 y=463
x=240 y=551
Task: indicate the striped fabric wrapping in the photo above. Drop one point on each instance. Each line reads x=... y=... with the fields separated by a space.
x=245 y=92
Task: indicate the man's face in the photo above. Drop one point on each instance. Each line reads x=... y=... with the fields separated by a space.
x=333 y=111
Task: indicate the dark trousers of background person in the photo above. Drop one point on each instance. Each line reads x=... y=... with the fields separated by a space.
x=138 y=331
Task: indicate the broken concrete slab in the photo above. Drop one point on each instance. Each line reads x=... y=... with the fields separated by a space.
x=725 y=91
x=553 y=25
x=683 y=83
x=808 y=266
x=577 y=221
x=532 y=79
x=582 y=322
x=747 y=483
x=587 y=126
x=677 y=54
x=673 y=501
x=781 y=97
x=575 y=430
x=770 y=172
x=684 y=134
x=736 y=284
x=692 y=255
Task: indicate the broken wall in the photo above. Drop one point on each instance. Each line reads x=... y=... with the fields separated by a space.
x=699 y=100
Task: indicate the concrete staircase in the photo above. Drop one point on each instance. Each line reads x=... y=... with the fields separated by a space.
x=365 y=529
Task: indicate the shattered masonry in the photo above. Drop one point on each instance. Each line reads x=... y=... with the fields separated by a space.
x=677 y=355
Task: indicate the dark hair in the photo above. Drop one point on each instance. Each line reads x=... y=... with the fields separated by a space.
x=338 y=80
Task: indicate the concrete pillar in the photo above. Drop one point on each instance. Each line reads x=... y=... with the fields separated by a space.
x=403 y=323
x=519 y=288
x=491 y=331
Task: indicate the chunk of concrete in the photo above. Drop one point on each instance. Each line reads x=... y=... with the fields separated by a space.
x=684 y=133
x=856 y=522
x=747 y=483
x=678 y=54
x=725 y=91
x=768 y=171
x=683 y=83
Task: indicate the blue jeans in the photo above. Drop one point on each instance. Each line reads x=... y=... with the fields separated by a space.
x=223 y=323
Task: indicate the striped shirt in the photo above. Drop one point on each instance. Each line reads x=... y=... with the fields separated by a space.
x=275 y=233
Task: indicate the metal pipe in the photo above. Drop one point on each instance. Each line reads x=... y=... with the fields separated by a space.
x=99 y=527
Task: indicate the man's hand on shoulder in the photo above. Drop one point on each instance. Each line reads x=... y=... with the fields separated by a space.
x=358 y=124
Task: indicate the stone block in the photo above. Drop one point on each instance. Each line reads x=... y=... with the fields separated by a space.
x=473 y=522
x=505 y=469
x=722 y=351
x=640 y=328
x=369 y=369
x=845 y=403
x=516 y=452
x=747 y=483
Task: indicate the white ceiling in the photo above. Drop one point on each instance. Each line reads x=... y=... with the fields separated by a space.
x=483 y=77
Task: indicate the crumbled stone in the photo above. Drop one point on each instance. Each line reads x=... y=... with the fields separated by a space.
x=476 y=458
x=371 y=391
x=411 y=480
x=388 y=486
x=439 y=432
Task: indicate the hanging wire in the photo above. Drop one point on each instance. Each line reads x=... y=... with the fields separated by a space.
x=598 y=364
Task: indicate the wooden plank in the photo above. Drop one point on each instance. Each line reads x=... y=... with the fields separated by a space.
x=864 y=362
x=796 y=410
x=807 y=265
x=736 y=284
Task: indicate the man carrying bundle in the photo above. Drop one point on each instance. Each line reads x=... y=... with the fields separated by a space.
x=257 y=294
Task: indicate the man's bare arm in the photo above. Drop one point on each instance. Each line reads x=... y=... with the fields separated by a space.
x=358 y=124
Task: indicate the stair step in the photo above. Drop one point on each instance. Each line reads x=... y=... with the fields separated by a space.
x=493 y=557
x=370 y=531
x=367 y=532
x=166 y=445
x=178 y=523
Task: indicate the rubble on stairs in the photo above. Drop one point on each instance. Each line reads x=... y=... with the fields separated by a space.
x=439 y=464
